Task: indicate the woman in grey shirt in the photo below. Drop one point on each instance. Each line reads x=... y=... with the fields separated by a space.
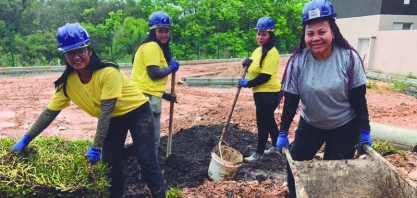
x=327 y=75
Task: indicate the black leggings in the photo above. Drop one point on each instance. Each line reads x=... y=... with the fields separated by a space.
x=266 y=103
x=340 y=144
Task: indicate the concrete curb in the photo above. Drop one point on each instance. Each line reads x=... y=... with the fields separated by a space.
x=209 y=81
x=199 y=81
x=61 y=68
x=390 y=78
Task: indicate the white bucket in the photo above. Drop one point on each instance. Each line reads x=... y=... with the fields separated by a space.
x=224 y=164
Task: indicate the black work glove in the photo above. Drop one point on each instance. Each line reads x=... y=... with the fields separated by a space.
x=170 y=97
x=246 y=62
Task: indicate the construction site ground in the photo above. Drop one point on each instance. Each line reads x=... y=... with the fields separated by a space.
x=199 y=117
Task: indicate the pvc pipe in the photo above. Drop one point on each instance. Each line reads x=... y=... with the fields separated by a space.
x=404 y=138
x=192 y=81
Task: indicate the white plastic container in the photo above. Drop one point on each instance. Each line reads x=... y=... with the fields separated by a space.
x=224 y=164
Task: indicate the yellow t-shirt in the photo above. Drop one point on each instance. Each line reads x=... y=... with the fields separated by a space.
x=270 y=66
x=149 y=54
x=106 y=83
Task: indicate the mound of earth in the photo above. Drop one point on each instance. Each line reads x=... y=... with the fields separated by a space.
x=187 y=166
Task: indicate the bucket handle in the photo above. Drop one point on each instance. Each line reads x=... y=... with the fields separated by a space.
x=220 y=151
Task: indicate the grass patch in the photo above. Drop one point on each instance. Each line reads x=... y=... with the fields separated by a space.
x=398 y=86
x=51 y=167
x=174 y=192
x=372 y=84
x=410 y=75
x=384 y=148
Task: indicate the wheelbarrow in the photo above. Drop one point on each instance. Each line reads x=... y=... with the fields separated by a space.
x=373 y=177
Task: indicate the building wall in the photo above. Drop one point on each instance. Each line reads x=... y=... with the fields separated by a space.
x=391 y=51
x=387 y=21
x=397 y=7
x=358 y=27
x=394 y=52
x=356 y=8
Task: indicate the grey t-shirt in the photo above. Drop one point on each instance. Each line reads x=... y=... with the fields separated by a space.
x=323 y=86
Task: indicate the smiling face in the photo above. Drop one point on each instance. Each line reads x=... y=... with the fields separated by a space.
x=78 y=58
x=262 y=37
x=318 y=38
x=162 y=34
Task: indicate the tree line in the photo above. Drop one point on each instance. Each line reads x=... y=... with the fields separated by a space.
x=201 y=29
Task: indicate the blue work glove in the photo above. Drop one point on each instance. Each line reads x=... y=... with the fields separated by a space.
x=243 y=83
x=282 y=141
x=22 y=143
x=93 y=154
x=365 y=139
x=174 y=65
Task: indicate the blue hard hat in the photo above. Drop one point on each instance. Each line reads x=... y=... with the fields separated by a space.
x=159 y=19
x=71 y=35
x=265 y=23
x=317 y=9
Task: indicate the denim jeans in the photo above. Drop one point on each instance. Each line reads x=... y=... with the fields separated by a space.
x=140 y=124
x=266 y=103
x=340 y=144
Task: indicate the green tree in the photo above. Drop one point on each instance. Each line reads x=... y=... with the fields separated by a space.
x=200 y=28
x=12 y=10
x=128 y=36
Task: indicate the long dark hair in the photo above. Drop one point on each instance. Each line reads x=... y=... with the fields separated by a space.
x=95 y=63
x=268 y=46
x=152 y=37
x=338 y=40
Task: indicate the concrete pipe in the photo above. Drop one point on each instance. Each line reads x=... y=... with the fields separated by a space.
x=403 y=138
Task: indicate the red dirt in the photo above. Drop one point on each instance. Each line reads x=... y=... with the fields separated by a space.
x=24 y=97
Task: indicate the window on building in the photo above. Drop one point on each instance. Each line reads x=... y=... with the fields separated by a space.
x=402 y=26
x=407 y=2
x=407 y=26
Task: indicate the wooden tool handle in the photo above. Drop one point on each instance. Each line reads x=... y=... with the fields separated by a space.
x=233 y=106
x=171 y=115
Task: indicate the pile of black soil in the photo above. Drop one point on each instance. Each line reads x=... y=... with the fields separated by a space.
x=187 y=166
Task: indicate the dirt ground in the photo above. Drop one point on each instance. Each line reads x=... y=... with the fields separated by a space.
x=199 y=117
x=188 y=165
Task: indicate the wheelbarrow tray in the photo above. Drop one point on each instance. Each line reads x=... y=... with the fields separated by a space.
x=374 y=177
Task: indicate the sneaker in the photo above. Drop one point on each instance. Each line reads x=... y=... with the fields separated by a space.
x=253 y=157
x=271 y=150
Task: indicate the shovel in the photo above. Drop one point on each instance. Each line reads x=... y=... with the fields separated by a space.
x=243 y=74
x=225 y=160
x=171 y=112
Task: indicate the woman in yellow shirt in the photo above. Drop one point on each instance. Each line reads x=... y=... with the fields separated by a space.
x=152 y=63
x=102 y=90
x=263 y=70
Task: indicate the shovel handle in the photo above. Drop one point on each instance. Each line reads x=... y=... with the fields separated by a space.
x=171 y=115
x=233 y=105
